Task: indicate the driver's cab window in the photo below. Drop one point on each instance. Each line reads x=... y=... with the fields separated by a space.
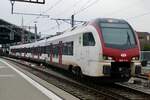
x=88 y=39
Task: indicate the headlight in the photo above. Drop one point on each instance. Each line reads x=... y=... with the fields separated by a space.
x=107 y=58
x=135 y=58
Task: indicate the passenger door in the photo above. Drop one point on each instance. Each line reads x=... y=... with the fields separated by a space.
x=60 y=52
x=51 y=53
x=87 y=49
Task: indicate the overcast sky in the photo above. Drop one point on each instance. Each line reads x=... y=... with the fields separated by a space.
x=136 y=12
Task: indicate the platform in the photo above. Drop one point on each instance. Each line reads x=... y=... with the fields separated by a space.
x=15 y=85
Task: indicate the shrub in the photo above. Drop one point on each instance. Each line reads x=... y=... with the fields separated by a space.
x=146 y=47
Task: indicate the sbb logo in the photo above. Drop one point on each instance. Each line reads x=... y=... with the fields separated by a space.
x=123 y=55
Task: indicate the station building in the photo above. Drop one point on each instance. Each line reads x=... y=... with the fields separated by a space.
x=11 y=34
x=144 y=38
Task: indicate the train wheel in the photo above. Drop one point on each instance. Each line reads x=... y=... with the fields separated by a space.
x=77 y=71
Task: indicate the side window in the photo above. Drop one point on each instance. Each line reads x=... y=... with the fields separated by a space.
x=88 y=39
x=68 y=48
x=55 y=51
x=47 y=49
x=65 y=49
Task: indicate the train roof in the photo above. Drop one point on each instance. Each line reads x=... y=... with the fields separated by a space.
x=67 y=33
x=113 y=20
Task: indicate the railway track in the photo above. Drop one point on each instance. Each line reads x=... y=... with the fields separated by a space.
x=140 y=83
x=83 y=89
x=142 y=76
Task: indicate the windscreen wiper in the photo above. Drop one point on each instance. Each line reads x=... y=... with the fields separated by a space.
x=128 y=38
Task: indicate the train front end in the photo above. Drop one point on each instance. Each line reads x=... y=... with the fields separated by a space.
x=120 y=49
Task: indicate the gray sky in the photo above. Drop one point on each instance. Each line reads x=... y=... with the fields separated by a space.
x=136 y=12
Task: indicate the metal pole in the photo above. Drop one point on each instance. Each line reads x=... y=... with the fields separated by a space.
x=23 y=31
x=12 y=6
x=72 y=21
x=35 y=32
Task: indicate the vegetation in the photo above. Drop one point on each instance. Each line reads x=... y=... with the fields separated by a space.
x=146 y=47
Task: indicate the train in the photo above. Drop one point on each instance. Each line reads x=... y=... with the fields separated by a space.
x=104 y=47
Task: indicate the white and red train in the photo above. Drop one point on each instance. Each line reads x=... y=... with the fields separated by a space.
x=101 y=48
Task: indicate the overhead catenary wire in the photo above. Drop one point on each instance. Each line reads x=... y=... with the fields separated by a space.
x=82 y=9
x=124 y=8
x=85 y=4
x=77 y=3
x=52 y=6
x=55 y=4
x=51 y=28
x=68 y=9
x=138 y=16
x=88 y=6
